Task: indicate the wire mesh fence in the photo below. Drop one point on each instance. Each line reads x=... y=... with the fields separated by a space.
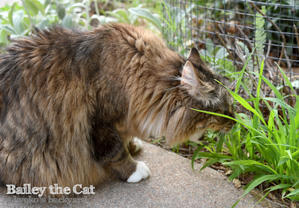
x=227 y=32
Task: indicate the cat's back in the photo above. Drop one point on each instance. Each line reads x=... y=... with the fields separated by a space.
x=51 y=62
x=126 y=41
x=62 y=50
x=26 y=57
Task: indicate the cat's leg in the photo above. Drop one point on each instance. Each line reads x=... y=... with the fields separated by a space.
x=113 y=154
x=135 y=146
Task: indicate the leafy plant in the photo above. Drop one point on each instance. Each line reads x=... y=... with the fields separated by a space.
x=265 y=147
x=133 y=16
x=20 y=18
x=175 y=28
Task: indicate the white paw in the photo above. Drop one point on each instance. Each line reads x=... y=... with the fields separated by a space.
x=141 y=172
x=138 y=143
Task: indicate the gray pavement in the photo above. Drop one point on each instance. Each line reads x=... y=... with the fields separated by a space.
x=173 y=184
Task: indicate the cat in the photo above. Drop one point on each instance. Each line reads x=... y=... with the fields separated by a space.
x=71 y=102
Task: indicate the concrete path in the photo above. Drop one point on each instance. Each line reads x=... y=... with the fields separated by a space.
x=173 y=184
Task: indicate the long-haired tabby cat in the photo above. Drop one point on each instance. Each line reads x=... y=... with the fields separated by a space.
x=72 y=101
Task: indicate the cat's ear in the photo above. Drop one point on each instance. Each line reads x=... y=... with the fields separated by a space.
x=192 y=81
x=190 y=78
x=195 y=59
x=194 y=56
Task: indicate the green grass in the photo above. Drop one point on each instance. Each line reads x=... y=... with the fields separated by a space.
x=267 y=147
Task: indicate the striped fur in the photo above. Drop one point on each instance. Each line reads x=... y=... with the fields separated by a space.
x=71 y=101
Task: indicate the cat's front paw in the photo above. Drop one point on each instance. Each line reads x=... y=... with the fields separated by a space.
x=135 y=146
x=141 y=172
x=138 y=144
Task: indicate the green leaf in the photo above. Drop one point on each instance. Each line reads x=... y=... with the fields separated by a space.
x=220 y=143
x=3 y=38
x=293 y=193
x=9 y=29
x=146 y=14
x=210 y=46
x=121 y=14
x=286 y=79
x=19 y=26
x=275 y=90
x=236 y=172
x=10 y=14
x=47 y=2
x=258 y=181
x=194 y=157
x=244 y=47
x=44 y=23
x=283 y=160
x=67 y=21
x=271 y=120
x=221 y=53
x=229 y=117
x=212 y=155
x=258 y=90
x=251 y=163
x=295 y=155
x=282 y=104
x=39 y=6
x=60 y=9
x=33 y=10
x=209 y=162
x=246 y=105
x=279 y=186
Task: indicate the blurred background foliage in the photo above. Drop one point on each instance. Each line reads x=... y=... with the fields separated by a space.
x=19 y=18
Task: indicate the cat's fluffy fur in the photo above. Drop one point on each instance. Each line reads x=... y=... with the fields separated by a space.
x=70 y=102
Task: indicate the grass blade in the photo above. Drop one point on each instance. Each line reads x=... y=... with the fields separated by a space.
x=250 y=163
x=229 y=117
x=258 y=181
